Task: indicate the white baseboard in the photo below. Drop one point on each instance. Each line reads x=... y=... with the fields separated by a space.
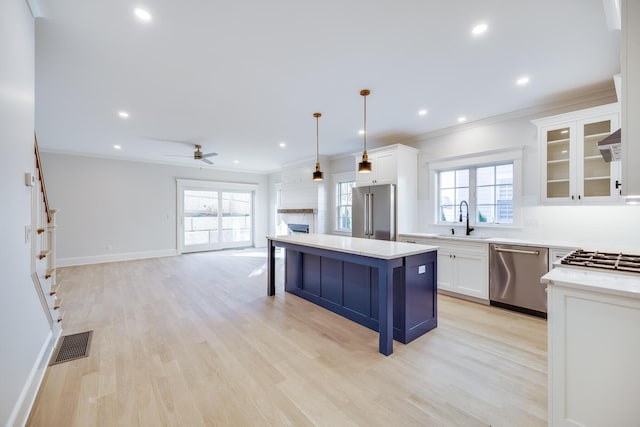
x=22 y=409
x=99 y=259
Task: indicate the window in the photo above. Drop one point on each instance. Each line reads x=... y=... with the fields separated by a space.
x=488 y=190
x=344 y=193
x=214 y=215
x=494 y=189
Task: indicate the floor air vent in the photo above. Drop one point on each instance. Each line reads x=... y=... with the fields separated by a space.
x=73 y=347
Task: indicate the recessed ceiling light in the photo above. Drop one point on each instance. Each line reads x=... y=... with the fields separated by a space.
x=523 y=80
x=462 y=119
x=361 y=132
x=423 y=112
x=142 y=14
x=117 y=147
x=236 y=161
x=123 y=114
x=282 y=144
x=479 y=29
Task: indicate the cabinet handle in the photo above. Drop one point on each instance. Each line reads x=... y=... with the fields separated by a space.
x=572 y=198
x=410 y=241
x=579 y=197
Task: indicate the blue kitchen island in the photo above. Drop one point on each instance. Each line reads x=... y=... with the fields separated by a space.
x=389 y=287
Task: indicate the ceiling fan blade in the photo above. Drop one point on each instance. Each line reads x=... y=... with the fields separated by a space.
x=176 y=155
x=209 y=162
x=209 y=154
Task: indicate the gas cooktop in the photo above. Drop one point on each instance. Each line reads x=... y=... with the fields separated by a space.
x=616 y=262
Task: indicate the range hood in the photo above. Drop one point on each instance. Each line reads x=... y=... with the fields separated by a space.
x=610 y=147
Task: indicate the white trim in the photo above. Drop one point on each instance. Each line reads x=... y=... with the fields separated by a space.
x=218 y=185
x=477 y=159
x=22 y=409
x=586 y=114
x=125 y=256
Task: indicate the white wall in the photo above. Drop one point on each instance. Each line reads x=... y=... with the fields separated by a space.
x=25 y=330
x=601 y=227
x=117 y=209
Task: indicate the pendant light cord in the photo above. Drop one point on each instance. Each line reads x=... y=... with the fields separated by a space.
x=365 y=123
x=317 y=133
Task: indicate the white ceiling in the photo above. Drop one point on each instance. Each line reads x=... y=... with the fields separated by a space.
x=243 y=76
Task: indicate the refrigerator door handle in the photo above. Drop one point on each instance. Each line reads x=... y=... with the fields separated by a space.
x=366 y=214
x=370 y=207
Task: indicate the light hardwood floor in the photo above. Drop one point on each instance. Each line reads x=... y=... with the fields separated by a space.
x=194 y=340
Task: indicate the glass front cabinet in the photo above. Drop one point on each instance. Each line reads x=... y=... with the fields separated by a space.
x=572 y=169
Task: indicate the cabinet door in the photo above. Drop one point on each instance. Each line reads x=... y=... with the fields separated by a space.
x=445 y=269
x=471 y=275
x=596 y=179
x=558 y=168
x=385 y=168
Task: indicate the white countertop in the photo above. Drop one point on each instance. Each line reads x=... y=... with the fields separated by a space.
x=382 y=249
x=626 y=285
x=485 y=239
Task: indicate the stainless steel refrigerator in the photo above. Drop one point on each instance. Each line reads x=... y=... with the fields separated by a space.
x=374 y=212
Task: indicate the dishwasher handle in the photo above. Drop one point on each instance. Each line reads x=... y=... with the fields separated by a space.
x=517 y=251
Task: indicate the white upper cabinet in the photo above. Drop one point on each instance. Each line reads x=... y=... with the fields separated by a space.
x=395 y=164
x=384 y=168
x=572 y=169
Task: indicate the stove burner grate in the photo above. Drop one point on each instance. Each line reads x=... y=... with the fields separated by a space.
x=604 y=260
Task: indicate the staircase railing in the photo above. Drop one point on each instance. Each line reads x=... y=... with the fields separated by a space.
x=44 y=249
x=41 y=177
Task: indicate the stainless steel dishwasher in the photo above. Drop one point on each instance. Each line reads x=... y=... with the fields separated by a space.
x=514 y=278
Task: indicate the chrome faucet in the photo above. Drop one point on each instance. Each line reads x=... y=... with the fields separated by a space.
x=469 y=229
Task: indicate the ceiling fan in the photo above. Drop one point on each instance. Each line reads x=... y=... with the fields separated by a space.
x=197 y=155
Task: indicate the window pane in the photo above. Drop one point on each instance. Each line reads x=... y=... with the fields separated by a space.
x=485 y=176
x=236 y=217
x=447 y=213
x=486 y=214
x=344 y=201
x=462 y=194
x=462 y=178
x=504 y=193
x=504 y=174
x=447 y=197
x=447 y=179
x=486 y=195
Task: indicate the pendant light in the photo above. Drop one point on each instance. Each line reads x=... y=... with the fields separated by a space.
x=317 y=175
x=365 y=165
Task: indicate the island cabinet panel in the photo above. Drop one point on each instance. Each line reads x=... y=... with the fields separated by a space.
x=331 y=280
x=351 y=290
x=357 y=289
x=420 y=308
x=311 y=274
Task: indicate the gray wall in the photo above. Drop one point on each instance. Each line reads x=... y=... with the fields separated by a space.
x=117 y=209
x=25 y=329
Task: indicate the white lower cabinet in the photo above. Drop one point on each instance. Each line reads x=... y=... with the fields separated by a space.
x=463 y=267
x=594 y=350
